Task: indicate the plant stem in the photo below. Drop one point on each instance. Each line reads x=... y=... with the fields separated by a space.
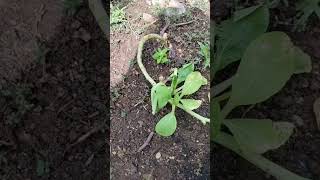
x=222 y=97
x=139 y=56
x=100 y=14
x=222 y=86
x=258 y=160
x=204 y=120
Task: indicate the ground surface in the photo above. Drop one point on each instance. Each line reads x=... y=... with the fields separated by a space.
x=56 y=101
x=294 y=104
x=185 y=155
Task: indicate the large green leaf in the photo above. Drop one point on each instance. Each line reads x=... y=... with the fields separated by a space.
x=259 y=135
x=191 y=104
x=264 y=69
x=193 y=83
x=184 y=71
x=167 y=125
x=160 y=95
x=234 y=35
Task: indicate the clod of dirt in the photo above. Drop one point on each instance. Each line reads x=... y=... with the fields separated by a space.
x=316 y=109
x=82 y=34
x=148 y=17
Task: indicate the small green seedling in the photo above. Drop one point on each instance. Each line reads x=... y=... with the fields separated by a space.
x=72 y=6
x=267 y=61
x=161 y=56
x=205 y=52
x=176 y=95
x=118 y=15
x=305 y=9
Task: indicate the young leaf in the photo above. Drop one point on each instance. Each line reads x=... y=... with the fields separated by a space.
x=302 y=61
x=234 y=35
x=191 y=104
x=259 y=135
x=184 y=71
x=160 y=95
x=167 y=125
x=264 y=69
x=306 y=8
x=193 y=83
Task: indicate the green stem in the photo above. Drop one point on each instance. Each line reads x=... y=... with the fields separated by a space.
x=258 y=160
x=204 y=120
x=100 y=15
x=222 y=97
x=222 y=86
x=139 y=56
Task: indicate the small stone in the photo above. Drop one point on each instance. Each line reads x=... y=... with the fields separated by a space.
x=158 y=155
x=148 y=17
x=171 y=157
x=298 y=120
x=76 y=24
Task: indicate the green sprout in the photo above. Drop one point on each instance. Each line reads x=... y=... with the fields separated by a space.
x=118 y=15
x=161 y=56
x=205 y=52
x=72 y=6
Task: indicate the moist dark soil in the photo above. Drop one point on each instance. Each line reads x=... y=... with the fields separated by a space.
x=55 y=103
x=184 y=155
x=294 y=104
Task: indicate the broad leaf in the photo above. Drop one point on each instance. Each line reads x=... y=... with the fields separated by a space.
x=259 y=135
x=240 y=14
x=264 y=69
x=160 y=95
x=302 y=61
x=191 y=104
x=234 y=35
x=193 y=83
x=184 y=71
x=167 y=125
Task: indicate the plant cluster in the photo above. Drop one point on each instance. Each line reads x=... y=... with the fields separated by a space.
x=267 y=61
x=161 y=56
x=184 y=82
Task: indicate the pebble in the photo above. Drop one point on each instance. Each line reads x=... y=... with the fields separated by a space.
x=148 y=17
x=298 y=120
x=158 y=155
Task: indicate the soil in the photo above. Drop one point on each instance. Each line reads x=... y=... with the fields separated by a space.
x=184 y=155
x=54 y=103
x=23 y=23
x=294 y=104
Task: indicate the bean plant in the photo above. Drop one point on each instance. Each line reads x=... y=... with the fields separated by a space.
x=267 y=61
x=184 y=81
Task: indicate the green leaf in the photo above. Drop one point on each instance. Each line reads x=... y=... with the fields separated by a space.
x=259 y=135
x=174 y=80
x=264 y=69
x=167 y=125
x=184 y=71
x=240 y=14
x=161 y=56
x=302 y=61
x=191 y=104
x=160 y=95
x=234 y=36
x=193 y=83
x=306 y=8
